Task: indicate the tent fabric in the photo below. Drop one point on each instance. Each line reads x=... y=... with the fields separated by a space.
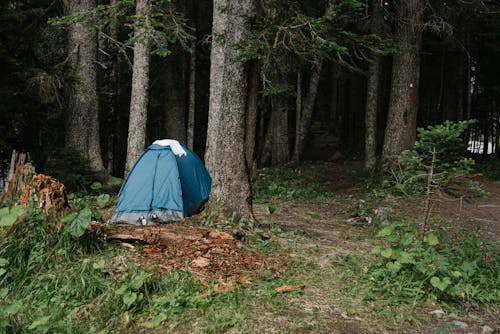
x=162 y=187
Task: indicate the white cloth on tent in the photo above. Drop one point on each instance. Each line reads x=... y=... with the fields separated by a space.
x=174 y=145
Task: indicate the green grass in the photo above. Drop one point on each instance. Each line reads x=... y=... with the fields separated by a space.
x=304 y=181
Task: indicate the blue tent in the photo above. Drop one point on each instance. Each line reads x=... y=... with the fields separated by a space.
x=163 y=186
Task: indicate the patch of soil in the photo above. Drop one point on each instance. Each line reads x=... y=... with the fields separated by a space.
x=482 y=213
x=204 y=252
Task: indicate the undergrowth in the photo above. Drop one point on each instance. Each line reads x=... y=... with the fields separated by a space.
x=305 y=181
x=53 y=280
x=463 y=269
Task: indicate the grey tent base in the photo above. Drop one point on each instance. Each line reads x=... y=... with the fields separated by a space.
x=147 y=218
x=153 y=217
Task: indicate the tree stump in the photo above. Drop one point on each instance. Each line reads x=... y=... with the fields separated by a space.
x=20 y=173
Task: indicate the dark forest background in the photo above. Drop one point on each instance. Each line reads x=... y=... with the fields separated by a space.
x=459 y=75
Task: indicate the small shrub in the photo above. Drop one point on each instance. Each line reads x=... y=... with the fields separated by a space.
x=436 y=160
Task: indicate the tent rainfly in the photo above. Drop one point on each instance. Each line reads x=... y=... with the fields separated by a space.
x=168 y=182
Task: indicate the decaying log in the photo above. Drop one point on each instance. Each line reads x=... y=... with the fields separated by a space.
x=161 y=234
x=20 y=173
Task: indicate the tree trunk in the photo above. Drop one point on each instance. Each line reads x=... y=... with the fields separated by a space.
x=175 y=97
x=191 y=97
x=225 y=154
x=307 y=111
x=372 y=93
x=280 y=150
x=140 y=88
x=251 y=117
x=400 y=132
x=82 y=123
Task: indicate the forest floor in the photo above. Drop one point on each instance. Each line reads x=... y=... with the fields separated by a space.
x=315 y=237
x=304 y=267
x=331 y=235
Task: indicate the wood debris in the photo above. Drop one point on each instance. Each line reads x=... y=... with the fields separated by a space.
x=48 y=192
x=289 y=288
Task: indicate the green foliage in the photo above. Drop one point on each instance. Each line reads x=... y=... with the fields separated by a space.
x=164 y=25
x=463 y=271
x=439 y=149
x=305 y=181
x=77 y=222
x=8 y=216
x=304 y=33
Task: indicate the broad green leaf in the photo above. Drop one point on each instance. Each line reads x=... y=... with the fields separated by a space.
x=69 y=218
x=39 y=322
x=469 y=267
x=96 y=186
x=101 y=264
x=114 y=181
x=407 y=239
x=393 y=266
x=387 y=252
x=405 y=257
x=440 y=284
x=4 y=292
x=456 y=274
x=103 y=200
x=386 y=231
x=431 y=239
x=8 y=216
x=11 y=309
x=80 y=223
x=2 y=271
x=376 y=250
x=138 y=280
x=155 y=322
x=3 y=262
x=270 y=209
x=122 y=289
x=129 y=298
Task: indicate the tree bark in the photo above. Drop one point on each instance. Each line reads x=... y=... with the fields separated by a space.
x=372 y=93
x=82 y=123
x=307 y=111
x=251 y=117
x=140 y=88
x=191 y=97
x=225 y=153
x=400 y=132
x=175 y=97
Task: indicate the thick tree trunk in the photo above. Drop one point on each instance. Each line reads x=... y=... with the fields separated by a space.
x=251 y=117
x=140 y=89
x=400 y=131
x=191 y=97
x=225 y=154
x=307 y=111
x=82 y=123
x=372 y=93
x=175 y=97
